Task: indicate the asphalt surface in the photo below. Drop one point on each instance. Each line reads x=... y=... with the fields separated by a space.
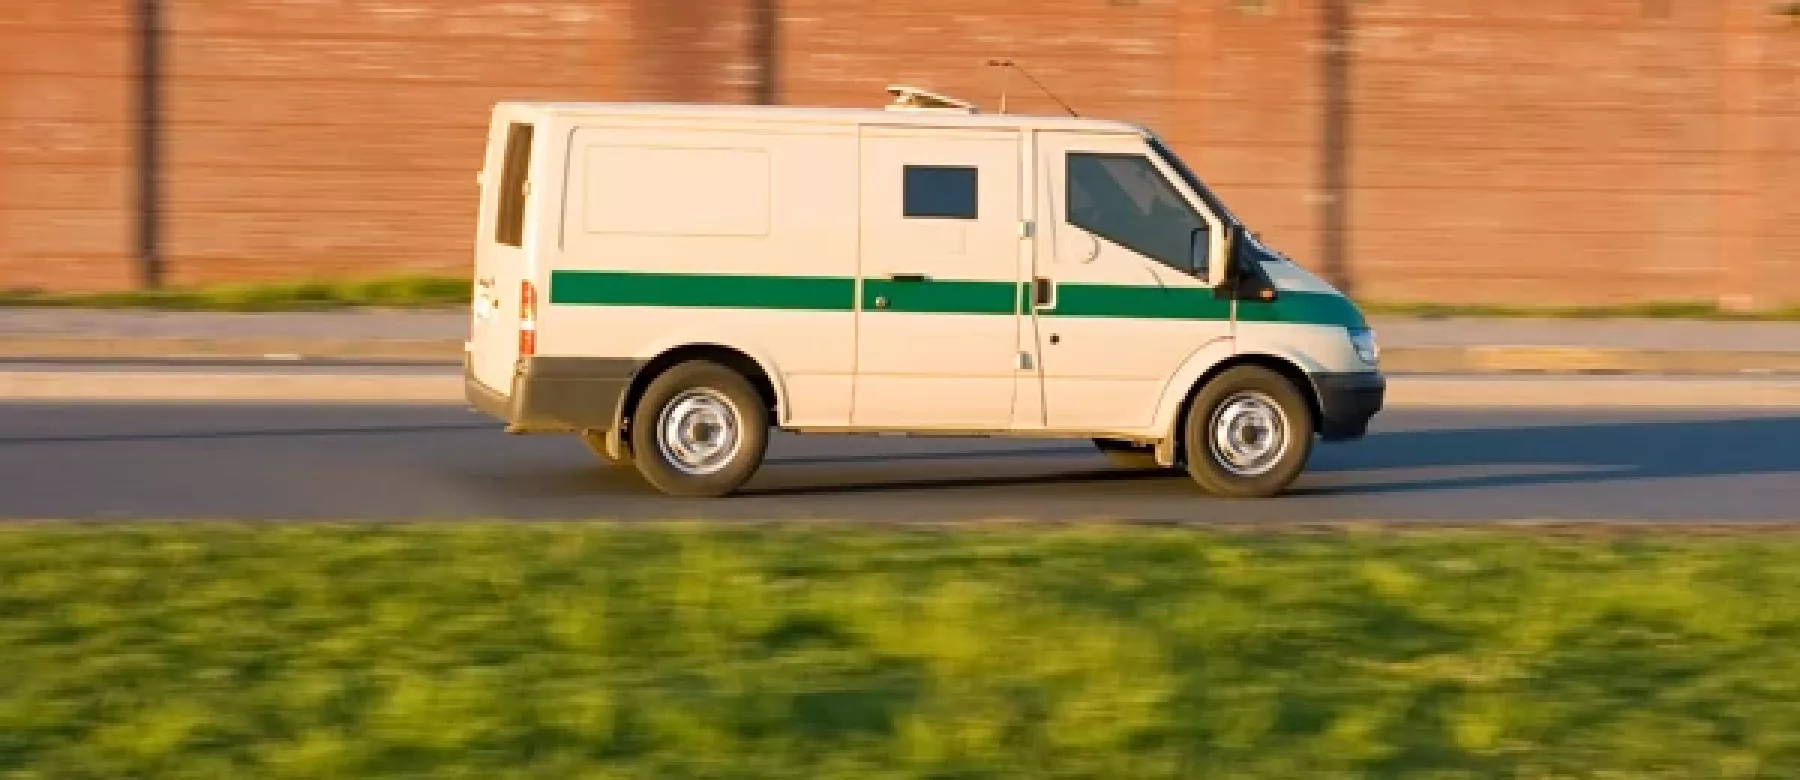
x=90 y=461
x=451 y=369
x=453 y=325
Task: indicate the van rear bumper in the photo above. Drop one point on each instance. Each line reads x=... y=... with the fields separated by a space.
x=1347 y=402
x=555 y=394
x=485 y=399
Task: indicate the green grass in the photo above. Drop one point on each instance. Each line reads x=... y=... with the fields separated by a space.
x=390 y=292
x=586 y=651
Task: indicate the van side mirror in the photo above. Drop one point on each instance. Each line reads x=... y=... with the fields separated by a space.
x=1244 y=277
x=1197 y=251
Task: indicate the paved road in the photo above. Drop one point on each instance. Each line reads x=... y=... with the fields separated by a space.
x=324 y=462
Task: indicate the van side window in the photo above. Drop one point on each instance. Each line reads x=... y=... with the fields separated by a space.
x=509 y=222
x=1124 y=199
x=940 y=192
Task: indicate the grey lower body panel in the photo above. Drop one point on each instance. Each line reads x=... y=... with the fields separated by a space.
x=1347 y=402
x=556 y=394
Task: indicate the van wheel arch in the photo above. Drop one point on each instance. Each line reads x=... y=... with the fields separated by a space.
x=1285 y=368
x=743 y=364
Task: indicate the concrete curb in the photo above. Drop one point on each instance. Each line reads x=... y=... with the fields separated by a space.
x=93 y=347
x=225 y=387
x=1594 y=392
x=1498 y=359
x=367 y=388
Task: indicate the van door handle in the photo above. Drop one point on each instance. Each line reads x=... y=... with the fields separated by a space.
x=1041 y=291
x=899 y=277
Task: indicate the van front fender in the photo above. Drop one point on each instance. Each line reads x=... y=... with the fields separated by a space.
x=1196 y=369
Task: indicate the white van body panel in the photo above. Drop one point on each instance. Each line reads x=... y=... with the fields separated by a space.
x=1105 y=365
x=790 y=210
x=501 y=267
x=1175 y=390
x=938 y=325
x=789 y=235
x=810 y=394
x=1315 y=348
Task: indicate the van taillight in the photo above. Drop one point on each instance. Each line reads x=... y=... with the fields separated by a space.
x=527 y=319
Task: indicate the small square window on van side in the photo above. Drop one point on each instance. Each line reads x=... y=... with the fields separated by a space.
x=940 y=192
x=509 y=218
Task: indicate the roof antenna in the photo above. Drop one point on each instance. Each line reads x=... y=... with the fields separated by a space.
x=1027 y=74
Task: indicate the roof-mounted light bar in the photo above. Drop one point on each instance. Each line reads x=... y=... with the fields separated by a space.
x=907 y=98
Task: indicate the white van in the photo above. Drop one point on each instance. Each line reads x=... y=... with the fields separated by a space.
x=670 y=282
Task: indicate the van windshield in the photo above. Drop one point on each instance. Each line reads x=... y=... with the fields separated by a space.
x=1193 y=182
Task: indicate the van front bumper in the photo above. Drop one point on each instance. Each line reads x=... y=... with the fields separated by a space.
x=555 y=394
x=1347 y=402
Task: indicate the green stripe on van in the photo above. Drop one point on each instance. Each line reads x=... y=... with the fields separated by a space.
x=1304 y=308
x=1139 y=302
x=702 y=291
x=941 y=296
x=938 y=296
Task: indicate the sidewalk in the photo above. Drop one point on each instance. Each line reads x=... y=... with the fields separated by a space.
x=1641 y=346
x=1408 y=345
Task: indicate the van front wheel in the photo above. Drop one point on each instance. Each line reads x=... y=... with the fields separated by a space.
x=1249 y=434
x=699 y=431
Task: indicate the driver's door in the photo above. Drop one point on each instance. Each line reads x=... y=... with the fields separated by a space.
x=1119 y=308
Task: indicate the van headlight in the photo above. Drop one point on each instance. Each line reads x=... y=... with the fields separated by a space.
x=1363 y=340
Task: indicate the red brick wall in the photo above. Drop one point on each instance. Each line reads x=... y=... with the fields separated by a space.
x=340 y=139
x=1527 y=152
x=1539 y=151
x=65 y=144
x=1772 y=191
x=1546 y=152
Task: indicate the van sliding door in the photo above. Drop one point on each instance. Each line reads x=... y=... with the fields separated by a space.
x=938 y=316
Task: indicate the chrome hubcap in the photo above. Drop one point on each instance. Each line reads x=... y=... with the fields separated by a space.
x=1249 y=434
x=698 y=431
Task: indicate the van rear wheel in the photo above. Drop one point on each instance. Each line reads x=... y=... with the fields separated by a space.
x=1248 y=434
x=699 y=431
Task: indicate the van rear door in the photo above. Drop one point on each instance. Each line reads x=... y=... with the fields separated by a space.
x=502 y=321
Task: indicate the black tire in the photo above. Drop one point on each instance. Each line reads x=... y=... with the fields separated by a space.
x=1251 y=394
x=1140 y=457
x=719 y=389
x=596 y=443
